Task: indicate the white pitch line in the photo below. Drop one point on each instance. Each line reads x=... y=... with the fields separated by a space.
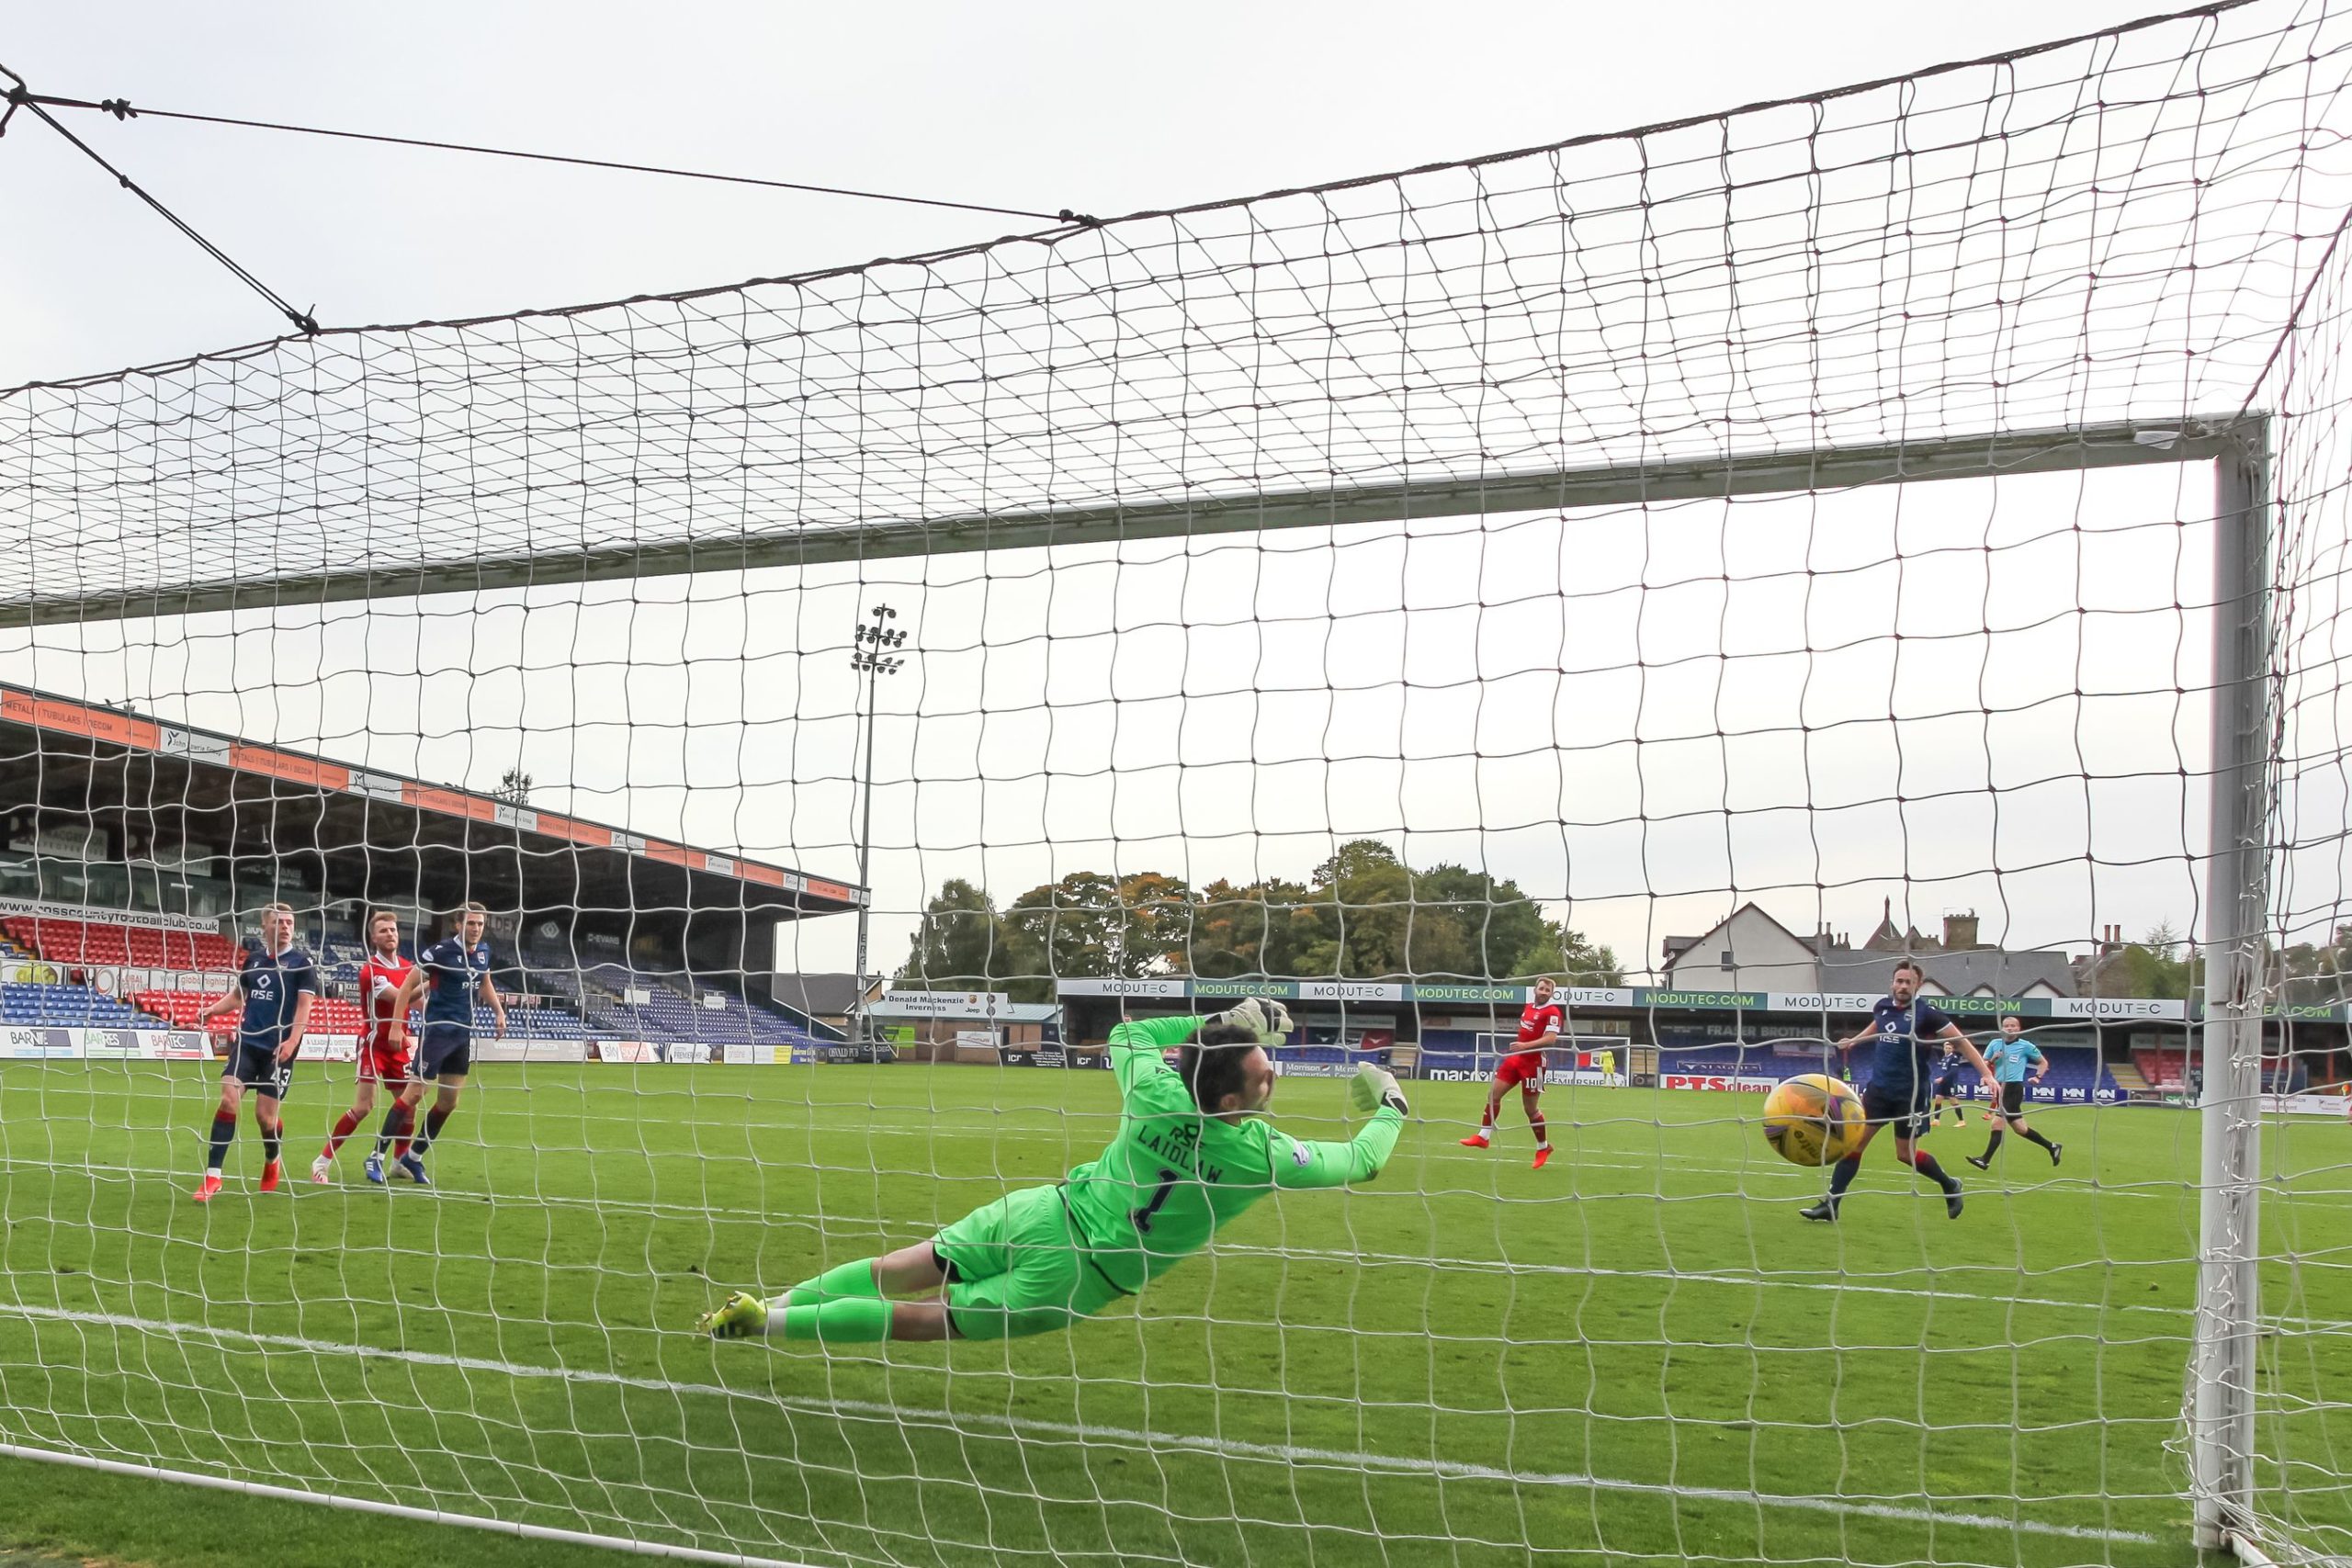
x=1970 y=1298
x=1084 y=1145
x=960 y=1422
x=837 y=1224
x=1079 y=1145
x=441 y=1516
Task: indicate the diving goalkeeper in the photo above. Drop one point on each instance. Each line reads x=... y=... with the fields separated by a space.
x=1191 y=1154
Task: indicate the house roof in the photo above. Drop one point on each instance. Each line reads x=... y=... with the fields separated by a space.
x=1957 y=974
x=822 y=996
x=1677 y=945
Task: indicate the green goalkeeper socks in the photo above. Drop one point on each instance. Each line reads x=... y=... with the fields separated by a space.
x=843 y=1321
x=843 y=1281
x=843 y=1304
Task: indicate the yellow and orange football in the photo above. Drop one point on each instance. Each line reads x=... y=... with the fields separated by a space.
x=1815 y=1120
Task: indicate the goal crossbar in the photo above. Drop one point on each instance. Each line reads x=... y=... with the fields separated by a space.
x=2118 y=444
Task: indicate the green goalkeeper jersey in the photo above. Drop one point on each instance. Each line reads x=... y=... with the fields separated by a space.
x=1172 y=1176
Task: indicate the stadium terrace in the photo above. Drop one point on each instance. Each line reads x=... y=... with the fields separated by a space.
x=137 y=848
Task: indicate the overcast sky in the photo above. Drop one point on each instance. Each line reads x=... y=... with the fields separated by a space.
x=1103 y=110
x=1500 y=695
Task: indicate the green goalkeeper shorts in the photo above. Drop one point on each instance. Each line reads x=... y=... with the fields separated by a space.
x=1020 y=1269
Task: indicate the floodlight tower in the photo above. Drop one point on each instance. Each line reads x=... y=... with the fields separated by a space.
x=872 y=659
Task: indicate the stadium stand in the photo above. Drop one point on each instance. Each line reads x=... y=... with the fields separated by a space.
x=666 y=1016
x=334 y=1015
x=339 y=960
x=529 y=1023
x=2167 y=1072
x=2286 y=1075
x=97 y=942
x=68 y=1007
x=329 y=1015
x=736 y=1022
x=178 y=1009
x=577 y=1003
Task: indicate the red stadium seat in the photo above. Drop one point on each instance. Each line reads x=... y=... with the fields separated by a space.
x=329 y=1015
x=98 y=942
x=179 y=1009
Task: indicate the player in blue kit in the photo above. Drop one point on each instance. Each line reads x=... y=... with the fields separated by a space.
x=276 y=982
x=1947 y=1093
x=448 y=975
x=2013 y=1056
x=1907 y=1031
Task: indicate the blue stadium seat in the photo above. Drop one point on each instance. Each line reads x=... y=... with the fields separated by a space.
x=68 y=1007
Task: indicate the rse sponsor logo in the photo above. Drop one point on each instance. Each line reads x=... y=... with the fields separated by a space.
x=1732 y=1085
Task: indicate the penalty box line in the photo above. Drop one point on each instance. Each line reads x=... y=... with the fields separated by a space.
x=395 y=1510
x=959 y=1424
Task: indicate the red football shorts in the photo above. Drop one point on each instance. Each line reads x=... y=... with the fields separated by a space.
x=379 y=1063
x=1525 y=1069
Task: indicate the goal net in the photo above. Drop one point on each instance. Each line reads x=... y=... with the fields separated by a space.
x=1701 y=568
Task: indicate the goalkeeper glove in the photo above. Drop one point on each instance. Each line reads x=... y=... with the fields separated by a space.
x=740 y=1317
x=1268 y=1020
x=1375 y=1087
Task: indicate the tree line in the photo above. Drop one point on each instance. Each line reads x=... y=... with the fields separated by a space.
x=2167 y=964
x=1361 y=915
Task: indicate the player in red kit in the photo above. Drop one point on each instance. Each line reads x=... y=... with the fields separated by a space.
x=383 y=1054
x=1541 y=1024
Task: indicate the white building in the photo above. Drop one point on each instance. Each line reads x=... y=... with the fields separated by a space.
x=1748 y=950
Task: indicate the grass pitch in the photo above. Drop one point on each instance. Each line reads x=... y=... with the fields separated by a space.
x=1637 y=1353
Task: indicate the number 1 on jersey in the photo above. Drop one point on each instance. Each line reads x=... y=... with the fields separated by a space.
x=1141 y=1218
